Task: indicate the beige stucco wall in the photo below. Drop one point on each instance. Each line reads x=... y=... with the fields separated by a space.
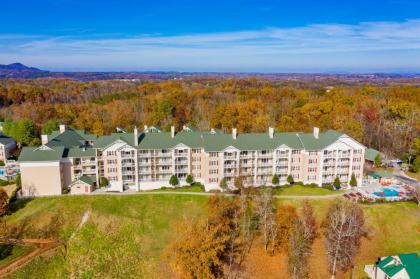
x=41 y=179
x=79 y=187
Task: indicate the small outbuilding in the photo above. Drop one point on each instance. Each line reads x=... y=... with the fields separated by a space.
x=370 y=155
x=83 y=185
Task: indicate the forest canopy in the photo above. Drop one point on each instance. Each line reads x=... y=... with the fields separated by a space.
x=385 y=117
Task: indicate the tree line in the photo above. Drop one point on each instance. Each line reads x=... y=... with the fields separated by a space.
x=385 y=117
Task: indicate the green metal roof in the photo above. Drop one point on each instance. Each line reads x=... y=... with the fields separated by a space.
x=370 y=154
x=69 y=138
x=89 y=179
x=34 y=154
x=80 y=152
x=412 y=264
x=5 y=139
x=73 y=140
x=409 y=262
x=248 y=141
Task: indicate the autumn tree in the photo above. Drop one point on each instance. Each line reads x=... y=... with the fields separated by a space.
x=286 y=216
x=343 y=230
x=4 y=202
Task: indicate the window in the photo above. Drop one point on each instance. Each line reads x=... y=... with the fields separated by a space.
x=312 y=153
x=213 y=163
x=313 y=161
x=213 y=180
x=196 y=150
x=295 y=151
x=213 y=171
x=213 y=154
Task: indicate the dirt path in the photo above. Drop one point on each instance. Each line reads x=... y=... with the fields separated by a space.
x=45 y=247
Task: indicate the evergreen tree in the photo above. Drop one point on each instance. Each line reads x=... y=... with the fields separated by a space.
x=190 y=179
x=337 y=183
x=275 y=180
x=174 y=181
x=353 y=180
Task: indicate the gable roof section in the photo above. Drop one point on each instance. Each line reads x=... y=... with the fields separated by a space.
x=105 y=141
x=6 y=140
x=88 y=179
x=370 y=154
x=35 y=154
x=69 y=138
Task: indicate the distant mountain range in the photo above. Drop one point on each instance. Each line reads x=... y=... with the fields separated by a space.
x=18 y=70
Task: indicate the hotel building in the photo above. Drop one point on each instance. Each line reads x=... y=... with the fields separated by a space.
x=145 y=160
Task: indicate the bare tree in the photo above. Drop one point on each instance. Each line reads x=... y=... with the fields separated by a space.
x=417 y=193
x=303 y=234
x=266 y=216
x=299 y=251
x=344 y=227
x=308 y=221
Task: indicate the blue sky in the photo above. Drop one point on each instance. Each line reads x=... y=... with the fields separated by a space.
x=239 y=35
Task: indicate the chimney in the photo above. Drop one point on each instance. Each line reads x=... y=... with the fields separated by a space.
x=62 y=128
x=145 y=128
x=44 y=139
x=136 y=136
x=271 y=132
x=316 y=132
x=172 y=131
x=234 y=133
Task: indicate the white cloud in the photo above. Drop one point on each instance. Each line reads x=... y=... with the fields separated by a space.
x=310 y=46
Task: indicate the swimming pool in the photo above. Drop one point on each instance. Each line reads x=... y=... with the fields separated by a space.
x=387 y=192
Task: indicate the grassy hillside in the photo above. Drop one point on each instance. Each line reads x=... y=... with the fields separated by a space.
x=126 y=235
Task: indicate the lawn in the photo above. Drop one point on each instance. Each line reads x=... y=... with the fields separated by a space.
x=126 y=235
x=299 y=190
x=193 y=188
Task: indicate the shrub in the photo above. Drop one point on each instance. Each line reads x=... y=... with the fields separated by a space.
x=328 y=186
x=2 y=163
x=4 y=182
x=290 y=179
x=103 y=182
